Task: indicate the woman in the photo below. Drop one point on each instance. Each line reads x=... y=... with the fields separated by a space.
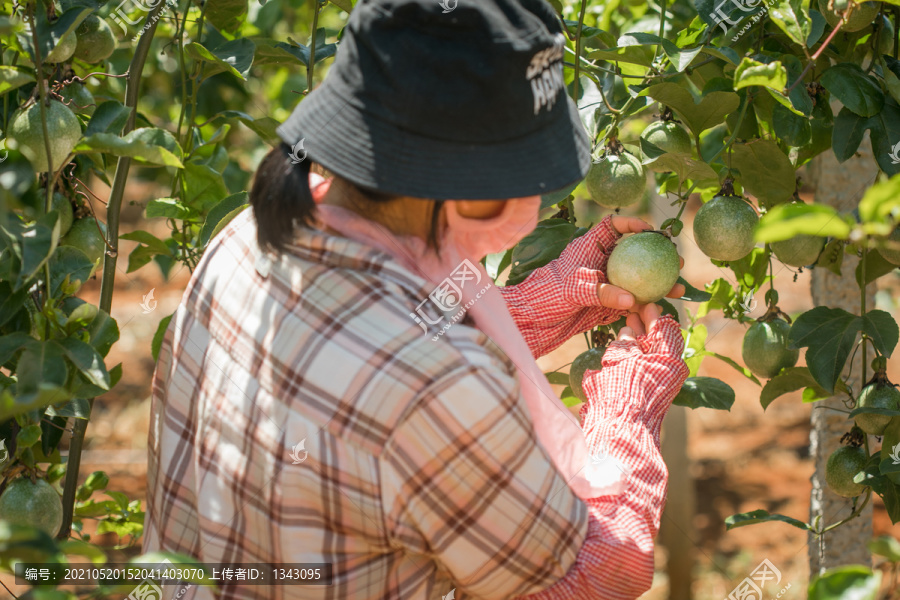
x=300 y=413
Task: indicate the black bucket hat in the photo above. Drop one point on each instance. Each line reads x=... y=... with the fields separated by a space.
x=442 y=100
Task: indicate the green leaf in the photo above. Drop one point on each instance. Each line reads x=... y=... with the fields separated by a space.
x=148 y=239
x=539 y=247
x=168 y=208
x=848 y=132
x=147 y=145
x=789 y=380
x=221 y=214
x=789 y=16
x=682 y=165
x=12 y=343
x=765 y=171
x=346 y=6
x=881 y=202
x=235 y=56
x=226 y=15
x=27 y=437
x=857 y=91
x=828 y=334
x=568 y=397
x=882 y=330
x=87 y=360
x=108 y=117
x=789 y=220
x=42 y=375
x=32 y=244
x=885 y=546
x=791 y=128
x=692 y=294
x=761 y=516
x=78 y=408
x=264 y=127
x=698 y=116
x=733 y=364
x=73 y=547
x=752 y=72
x=636 y=55
x=854 y=581
x=103 y=332
x=679 y=57
x=204 y=185
x=705 y=392
x=557 y=378
x=71 y=263
x=14 y=77
x=156 y=344
x=876 y=266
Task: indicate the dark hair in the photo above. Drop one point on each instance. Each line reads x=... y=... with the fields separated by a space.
x=281 y=200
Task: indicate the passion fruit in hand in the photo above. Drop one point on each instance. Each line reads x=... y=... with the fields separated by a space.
x=617 y=180
x=591 y=360
x=36 y=504
x=723 y=228
x=765 y=348
x=842 y=466
x=644 y=264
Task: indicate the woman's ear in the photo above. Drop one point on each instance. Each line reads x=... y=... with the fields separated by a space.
x=318 y=186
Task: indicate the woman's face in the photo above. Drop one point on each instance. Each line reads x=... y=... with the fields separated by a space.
x=479 y=209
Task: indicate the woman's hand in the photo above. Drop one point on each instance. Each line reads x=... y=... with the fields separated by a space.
x=615 y=297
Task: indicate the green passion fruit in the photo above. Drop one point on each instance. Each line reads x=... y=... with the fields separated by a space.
x=799 y=251
x=36 y=504
x=96 y=40
x=668 y=136
x=723 y=228
x=616 y=181
x=862 y=16
x=765 y=348
x=63 y=129
x=842 y=466
x=876 y=395
x=66 y=214
x=645 y=264
x=592 y=360
x=85 y=237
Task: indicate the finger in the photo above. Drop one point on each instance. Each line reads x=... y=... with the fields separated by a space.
x=626 y=333
x=678 y=291
x=636 y=324
x=614 y=297
x=649 y=313
x=629 y=224
x=681 y=258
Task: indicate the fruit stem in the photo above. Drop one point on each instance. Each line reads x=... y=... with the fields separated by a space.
x=815 y=57
x=311 y=67
x=862 y=308
x=856 y=512
x=577 y=81
x=42 y=93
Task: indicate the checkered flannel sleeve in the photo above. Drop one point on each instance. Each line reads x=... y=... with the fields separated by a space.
x=559 y=300
x=466 y=483
x=628 y=399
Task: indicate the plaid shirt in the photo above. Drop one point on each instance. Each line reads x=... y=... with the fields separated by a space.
x=420 y=472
